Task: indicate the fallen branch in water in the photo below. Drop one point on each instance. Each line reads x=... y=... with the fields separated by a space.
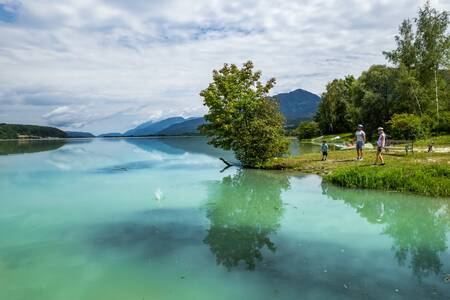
x=226 y=162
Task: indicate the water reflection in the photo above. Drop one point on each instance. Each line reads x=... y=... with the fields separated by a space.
x=180 y=145
x=418 y=226
x=244 y=210
x=29 y=146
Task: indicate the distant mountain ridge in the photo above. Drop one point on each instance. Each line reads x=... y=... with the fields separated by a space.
x=110 y=134
x=296 y=106
x=188 y=127
x=152 y=128
x=79 y=134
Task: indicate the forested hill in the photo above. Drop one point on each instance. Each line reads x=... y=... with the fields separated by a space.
x=297 y=106
x=14 y=131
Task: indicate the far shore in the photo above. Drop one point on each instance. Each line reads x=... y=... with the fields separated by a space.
x=115 y=137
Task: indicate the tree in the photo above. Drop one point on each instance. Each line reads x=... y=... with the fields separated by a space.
x=335 y=109
x=307 y=130
x=425 y=52
x=374 y=95
x=241 y=116
x=406 y=53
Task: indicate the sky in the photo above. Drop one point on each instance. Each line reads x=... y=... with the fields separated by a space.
x=107 y=66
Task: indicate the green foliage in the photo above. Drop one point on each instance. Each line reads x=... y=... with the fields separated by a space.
x=307 y=130
x=409 y=126
x=335 y=109
x=374 y=97
x=12 y=131
x=432 y=179
x=443 y=125
x=241 y=117
x=417 y=84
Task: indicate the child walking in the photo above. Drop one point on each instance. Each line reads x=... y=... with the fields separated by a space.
x=324 y=150
x=381 y=143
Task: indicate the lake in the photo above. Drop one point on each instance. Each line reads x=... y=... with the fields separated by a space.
x=159 y=219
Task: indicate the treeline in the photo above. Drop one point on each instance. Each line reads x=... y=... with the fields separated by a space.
x=411 y=97
x=12 y=131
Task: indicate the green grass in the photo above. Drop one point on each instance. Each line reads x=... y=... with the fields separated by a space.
x=421 y=173
x=430 y=180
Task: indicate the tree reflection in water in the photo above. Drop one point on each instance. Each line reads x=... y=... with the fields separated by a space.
x=417 y=225
x=244 y=210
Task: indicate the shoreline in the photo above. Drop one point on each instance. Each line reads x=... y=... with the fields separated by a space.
x=118 y=137
x=421 y=173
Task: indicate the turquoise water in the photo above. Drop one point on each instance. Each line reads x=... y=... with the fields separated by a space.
x=157 y=219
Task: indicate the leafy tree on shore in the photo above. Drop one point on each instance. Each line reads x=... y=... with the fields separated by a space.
x=418 y=83
x=425 y=52
x=241 y=116
x=335 y=109
x=307 y=130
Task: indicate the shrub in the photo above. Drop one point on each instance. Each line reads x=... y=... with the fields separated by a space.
x=408 y=126
x=308 y=130
x=443 y=126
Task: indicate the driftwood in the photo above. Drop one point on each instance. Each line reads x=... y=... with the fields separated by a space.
x=226 y=162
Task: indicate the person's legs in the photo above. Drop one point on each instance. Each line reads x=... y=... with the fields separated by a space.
x=381 y=157
x=359 y=149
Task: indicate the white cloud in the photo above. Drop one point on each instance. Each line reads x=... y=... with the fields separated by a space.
x=122 y=61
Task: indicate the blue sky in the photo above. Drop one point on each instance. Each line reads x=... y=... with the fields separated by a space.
x=101 y=66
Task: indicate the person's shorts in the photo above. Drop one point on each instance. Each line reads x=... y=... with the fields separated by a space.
x=359 y=145
x=324 y=153
x=379 y=149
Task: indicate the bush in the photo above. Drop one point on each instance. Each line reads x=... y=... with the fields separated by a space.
x=409 y=126
x=443 y=126
x=308 y=130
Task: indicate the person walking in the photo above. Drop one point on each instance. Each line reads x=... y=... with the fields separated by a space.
x=360 y=138
x=324 y=150
x=381 y=143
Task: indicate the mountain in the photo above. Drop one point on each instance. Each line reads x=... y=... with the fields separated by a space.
x=79 y=134
x=151 y=128
x=110 y=134
x=188 y=127
x=297 y=105
x=16 y=131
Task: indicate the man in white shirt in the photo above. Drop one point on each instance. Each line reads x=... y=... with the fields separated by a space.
x=360 y=138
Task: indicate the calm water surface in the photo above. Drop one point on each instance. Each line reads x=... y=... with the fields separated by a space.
x=156 y=219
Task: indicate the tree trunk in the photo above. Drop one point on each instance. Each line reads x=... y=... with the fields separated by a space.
x=436 y=90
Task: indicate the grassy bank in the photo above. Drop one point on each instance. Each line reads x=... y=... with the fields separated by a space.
x=421 y=173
